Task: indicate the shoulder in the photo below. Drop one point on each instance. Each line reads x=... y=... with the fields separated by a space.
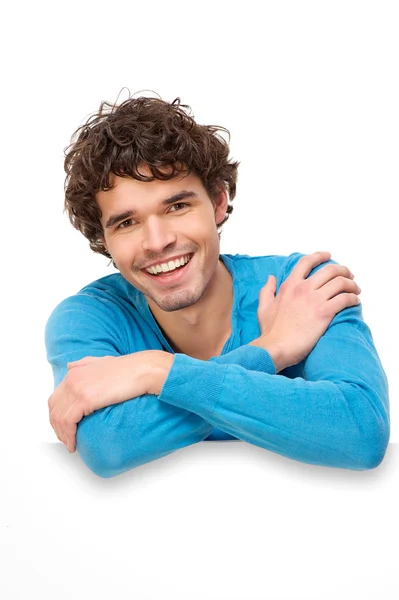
x=100 y=307
x=292 y=260
x=253 y=267
x=258 y=268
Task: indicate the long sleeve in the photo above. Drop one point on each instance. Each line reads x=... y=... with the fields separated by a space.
x=335 y=414
x=122 y=436
x=248 y=357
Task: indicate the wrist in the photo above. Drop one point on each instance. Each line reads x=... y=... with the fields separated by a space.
x=158 y=366
x=273 y=348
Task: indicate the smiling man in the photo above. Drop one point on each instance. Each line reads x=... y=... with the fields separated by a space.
x=185 y=344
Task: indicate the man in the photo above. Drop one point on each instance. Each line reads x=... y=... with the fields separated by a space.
x=185 y=344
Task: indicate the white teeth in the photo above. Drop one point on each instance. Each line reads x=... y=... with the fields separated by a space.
x=169 y=266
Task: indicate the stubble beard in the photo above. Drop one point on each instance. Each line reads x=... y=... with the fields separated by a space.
x=176 y=300
x=172 y=300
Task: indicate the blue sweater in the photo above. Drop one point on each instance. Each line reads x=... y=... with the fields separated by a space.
x=331 y=409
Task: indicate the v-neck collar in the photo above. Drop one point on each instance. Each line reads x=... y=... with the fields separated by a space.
x=141 y=304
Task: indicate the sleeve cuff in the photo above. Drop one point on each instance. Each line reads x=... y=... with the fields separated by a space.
x=251 y=358
x=194 y=385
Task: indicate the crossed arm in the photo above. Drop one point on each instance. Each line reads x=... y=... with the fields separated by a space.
x=331 y=410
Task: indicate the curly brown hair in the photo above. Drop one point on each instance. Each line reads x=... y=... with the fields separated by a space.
x=141 y=130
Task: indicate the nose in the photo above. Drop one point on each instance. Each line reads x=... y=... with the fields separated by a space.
x=157 y=235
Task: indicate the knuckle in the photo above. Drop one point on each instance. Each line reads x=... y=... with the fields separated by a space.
x=85 y=398
x=318 y=255
x=80 y=391
x=83 y=395
x=309 y=259
x=331 y=269
x=345 y=270
x=342 y=279
x=74 y=385
x=322 y=310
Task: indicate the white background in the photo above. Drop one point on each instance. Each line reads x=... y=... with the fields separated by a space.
x=309 y=92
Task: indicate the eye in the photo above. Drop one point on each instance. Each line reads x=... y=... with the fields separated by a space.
x=123 y=222
x=179 y=204
x=182 y=204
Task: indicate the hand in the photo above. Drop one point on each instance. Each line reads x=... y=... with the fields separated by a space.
x=93 y=383
x=292 y=323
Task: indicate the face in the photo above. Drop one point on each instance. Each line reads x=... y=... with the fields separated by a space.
x=172 y=219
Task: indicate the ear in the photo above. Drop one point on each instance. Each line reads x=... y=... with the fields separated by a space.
x=220 y=203
x=102 y=240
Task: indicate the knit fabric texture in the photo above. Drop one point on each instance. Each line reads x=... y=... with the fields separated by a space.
x=331 y=409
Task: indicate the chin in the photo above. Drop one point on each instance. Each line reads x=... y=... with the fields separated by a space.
x=177 y=300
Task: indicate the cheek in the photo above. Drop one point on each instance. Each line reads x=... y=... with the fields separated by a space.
x=203 y=228
x=124 y=251
x=123 y=244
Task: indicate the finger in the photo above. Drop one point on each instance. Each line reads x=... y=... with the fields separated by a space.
x=70 y=420
x=270 y=283
x=55 y=403
x=70 y=439
x=64 y=399
x=65 y=433
x=337 y=286
x=50 y=403
x=341 y=301
x=306 y=264
x=54 y=425
x=339 y=274
x=267 y=293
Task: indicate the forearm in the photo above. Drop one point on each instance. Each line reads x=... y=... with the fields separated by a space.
x=253 y=357
x=126 y=435
x=317 y=422
x=121 y=436
x=117 y=438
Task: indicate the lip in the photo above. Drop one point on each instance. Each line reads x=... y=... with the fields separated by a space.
x=167 y=279
x=159 y=262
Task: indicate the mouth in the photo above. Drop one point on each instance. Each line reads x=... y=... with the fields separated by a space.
x=170 y=277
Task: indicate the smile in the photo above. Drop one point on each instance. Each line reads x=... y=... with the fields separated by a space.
x=168 y=266
x=171 y=271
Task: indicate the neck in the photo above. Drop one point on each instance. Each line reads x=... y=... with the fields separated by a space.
x=202 y=329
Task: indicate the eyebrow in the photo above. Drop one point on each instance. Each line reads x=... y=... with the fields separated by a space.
x=116 y=218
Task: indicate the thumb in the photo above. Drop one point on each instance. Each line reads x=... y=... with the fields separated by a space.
x=272 y=281
x=266 y=298
x=267 y=293
x=270 y=287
